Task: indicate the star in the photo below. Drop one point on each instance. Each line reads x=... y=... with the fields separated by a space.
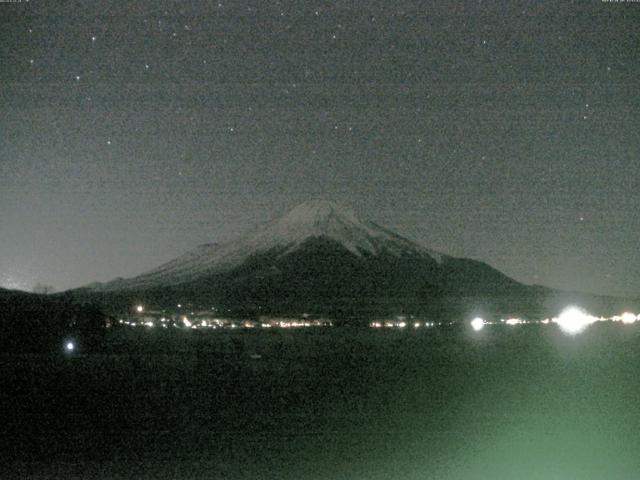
x=108 y=142
x=94 y=38
x=31 y=61
x=77 y=77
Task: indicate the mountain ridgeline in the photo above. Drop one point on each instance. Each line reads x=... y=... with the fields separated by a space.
x=322 y=259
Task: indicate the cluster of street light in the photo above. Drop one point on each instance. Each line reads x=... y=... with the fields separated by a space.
x=572 y=320
x=197 y=322
x=404 y=324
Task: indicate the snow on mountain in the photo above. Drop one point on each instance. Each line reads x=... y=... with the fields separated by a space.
x=312 y=219
x=331 y=220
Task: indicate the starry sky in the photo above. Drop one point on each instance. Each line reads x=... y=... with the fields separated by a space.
x=506 y=131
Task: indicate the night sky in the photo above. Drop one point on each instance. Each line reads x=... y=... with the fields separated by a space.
x=509 y=132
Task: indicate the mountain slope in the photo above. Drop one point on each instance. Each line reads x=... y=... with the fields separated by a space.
x=321 y=258
x=314 y=219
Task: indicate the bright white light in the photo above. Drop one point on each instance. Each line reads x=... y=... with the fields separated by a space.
x=139 y=309
x=69 y=346
x=402 y=324
x=186 y=322
x=573 y=320
x=513 y=321
x=416 y=325
x=477 y=324
x=627 y=317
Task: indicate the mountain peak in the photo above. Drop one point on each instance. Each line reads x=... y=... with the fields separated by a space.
x=314 y=219
x=317 y=217
x=333 y=221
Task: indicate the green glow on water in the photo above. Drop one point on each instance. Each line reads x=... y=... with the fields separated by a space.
x=526 y=403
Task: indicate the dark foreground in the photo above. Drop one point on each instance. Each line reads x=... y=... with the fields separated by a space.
x=520 y=402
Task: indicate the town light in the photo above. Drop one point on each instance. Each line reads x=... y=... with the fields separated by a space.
x=139 y=309
x=477 y=324
x=573 y=320
x=627 y=317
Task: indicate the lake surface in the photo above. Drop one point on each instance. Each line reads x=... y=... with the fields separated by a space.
x=524 y=402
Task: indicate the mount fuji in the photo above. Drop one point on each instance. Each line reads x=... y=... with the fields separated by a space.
x=311 y=221
x=322 y=258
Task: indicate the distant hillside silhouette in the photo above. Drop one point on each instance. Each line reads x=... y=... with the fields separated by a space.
x=31 y=322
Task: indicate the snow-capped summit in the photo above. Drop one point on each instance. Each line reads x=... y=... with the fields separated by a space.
x=315 y=219
x=333 y=221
